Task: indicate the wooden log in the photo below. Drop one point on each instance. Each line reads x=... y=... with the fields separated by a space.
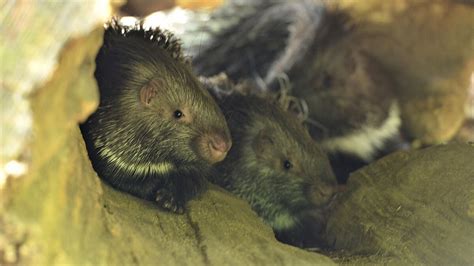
x=412 y=207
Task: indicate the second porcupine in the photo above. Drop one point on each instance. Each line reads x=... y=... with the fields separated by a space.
x=274 y=164
x=156 y=131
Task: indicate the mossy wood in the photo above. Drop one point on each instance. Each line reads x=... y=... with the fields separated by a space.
x=413 y=207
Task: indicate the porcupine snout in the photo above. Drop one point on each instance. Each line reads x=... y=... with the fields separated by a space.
x=214 y=147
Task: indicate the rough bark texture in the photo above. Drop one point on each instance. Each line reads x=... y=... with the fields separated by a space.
x=32 y=35
x=410 y=207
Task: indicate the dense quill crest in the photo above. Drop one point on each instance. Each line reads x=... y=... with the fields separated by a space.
x=156 y=36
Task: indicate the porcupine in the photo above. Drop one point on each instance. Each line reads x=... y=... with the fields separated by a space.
x=273 y=164
x=157 y=131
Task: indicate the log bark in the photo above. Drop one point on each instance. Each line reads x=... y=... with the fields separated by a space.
x=410 y=208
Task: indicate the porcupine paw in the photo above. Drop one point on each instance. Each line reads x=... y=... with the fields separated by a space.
x=168 y=201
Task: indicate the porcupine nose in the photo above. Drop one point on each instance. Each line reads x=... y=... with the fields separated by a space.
x=218 y=148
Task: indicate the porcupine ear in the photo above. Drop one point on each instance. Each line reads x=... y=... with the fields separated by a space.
x=156 y=37
x=149 y=91
x=262 y=141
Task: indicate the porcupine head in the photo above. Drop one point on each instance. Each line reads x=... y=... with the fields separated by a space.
x=274 y=164
x=156 y=132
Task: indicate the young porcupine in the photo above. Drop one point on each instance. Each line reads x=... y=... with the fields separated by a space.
x=274 y=164
x=350 y=106
x=157 y=130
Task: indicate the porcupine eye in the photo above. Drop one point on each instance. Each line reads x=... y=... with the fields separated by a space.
x=178 y=114
x=287 y=165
